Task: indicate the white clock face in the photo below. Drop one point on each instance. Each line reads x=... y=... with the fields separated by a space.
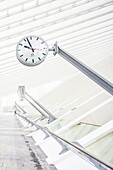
x=31 y=50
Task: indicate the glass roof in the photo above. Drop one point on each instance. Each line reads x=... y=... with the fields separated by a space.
x=82 y=27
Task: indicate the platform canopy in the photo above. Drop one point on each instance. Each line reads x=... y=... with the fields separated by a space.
x=84 y=28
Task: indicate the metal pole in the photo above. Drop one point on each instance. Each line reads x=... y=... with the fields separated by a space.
x=19 y=108
x=105 y=84
x=41 y=109
x=36 y=108
x=16 y=109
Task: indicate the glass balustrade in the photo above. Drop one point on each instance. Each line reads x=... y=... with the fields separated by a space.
x=103 y=148
x=77 y=131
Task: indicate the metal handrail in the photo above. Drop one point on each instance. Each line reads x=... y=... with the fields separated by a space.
x=91 y=124
x=93 y=159
x=81 y=149
x=44 y=112
x=20 y=108
x=43 y=109
x=44 y=116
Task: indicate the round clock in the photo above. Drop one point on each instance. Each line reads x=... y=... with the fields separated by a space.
x=31 y=50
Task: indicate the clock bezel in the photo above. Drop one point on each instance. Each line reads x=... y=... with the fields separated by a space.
x=31 y=64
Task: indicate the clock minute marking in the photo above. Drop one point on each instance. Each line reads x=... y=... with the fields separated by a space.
x=43 y=53
x=20 y=44
x=26 y=59
x=39 y=58
x=37 y=38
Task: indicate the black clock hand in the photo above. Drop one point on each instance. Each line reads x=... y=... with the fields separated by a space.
x=27 y=47
x=30 y=44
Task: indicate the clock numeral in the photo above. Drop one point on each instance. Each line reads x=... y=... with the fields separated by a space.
x=30 y=38
x=20 y=44
x=32 y=60
x=43 y=53
x=24 y=39
x=37 y=38
x=26 y=59
x=42 y=42
x=21 y=55
x=39 y=58
x=18 y=50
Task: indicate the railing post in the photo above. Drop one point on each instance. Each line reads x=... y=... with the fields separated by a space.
x=42 y=109
x=20 y=108
x=45 y=113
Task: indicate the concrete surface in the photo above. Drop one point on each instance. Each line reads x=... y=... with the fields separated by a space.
x=18 y=152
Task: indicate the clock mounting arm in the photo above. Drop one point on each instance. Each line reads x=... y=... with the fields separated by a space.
x=101 y=81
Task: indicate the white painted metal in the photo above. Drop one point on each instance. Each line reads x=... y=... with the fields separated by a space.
x=85 y=29
x=82 y=27
x=70 y=160
x=97 y=134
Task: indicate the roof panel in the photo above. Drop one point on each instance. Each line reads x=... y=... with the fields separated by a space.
x=84 y=28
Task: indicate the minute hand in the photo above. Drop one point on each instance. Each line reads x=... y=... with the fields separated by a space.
x=30 y=45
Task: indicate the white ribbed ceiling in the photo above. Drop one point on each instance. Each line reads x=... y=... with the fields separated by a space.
x=82 y=27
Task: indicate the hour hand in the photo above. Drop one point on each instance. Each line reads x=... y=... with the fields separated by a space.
x=27 y=47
